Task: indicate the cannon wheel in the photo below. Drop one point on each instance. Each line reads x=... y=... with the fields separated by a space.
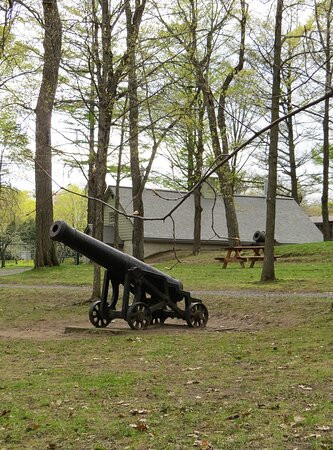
x=158 y=319
x=139 y=316
x=196 y=315
x=95 y=317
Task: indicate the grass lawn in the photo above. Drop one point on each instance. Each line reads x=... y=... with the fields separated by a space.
x=266 y=383
x=302 y=267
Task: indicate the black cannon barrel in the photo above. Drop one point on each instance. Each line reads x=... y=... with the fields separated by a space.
x=259 y=236
x=103 y=254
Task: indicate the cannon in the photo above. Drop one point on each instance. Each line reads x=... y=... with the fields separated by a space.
x=259 y=237
x=149 y=296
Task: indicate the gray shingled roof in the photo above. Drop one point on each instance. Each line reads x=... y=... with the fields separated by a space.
x=292 y=224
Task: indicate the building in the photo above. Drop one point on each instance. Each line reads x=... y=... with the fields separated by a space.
x=292 y=224
x=318 y=221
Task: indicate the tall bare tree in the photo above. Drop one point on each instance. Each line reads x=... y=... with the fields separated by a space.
x=226 y=176
x=324 y=22
x=289 y=161
x=108 y=75
x=133 y=21
x=45 y=250
x=199 y=42
x=268 y=271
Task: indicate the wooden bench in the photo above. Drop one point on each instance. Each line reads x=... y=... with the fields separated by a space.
x=255 y=258
x=241 y=259
x=236 y=254
x=221 y=259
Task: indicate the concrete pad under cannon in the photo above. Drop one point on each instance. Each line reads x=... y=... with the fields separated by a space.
x=166 y=328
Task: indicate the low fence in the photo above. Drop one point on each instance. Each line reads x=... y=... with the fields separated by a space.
x=19 y=251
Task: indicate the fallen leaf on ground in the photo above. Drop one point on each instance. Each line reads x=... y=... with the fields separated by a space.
x=238 y=415
x=33 y=427
x=313 y=435
x=233 y=416
x=141 y=425
x=305 y=388
x=299 y=419
x=323 y=428
x=135 y=411
x=204 y=444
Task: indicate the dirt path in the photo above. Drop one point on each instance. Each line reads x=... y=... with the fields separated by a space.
x=225 y=314
x=243 y=293
x=4 y=272
x=263 y=294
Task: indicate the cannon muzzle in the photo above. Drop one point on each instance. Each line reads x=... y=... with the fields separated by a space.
x=259 y=236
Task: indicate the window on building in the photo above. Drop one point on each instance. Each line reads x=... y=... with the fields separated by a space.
x=111 y=217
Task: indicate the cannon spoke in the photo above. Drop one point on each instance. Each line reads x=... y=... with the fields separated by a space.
x=158 y=318
x=95 y=316
x=139 y=316
x=196 y=315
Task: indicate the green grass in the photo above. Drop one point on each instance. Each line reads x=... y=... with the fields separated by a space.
x=295 y=275
x=269 y=388
x=65 y=274
x=19 y=264
x=267 y=383
x=302 y=267
x=316 y=250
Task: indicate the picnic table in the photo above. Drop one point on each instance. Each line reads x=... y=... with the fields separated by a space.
x=236 y=254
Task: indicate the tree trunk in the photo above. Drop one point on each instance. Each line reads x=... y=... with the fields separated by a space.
x=105 y=101
x=107 y=77
x=138 y=226
x=291 y=140
x=227 y=177
x=133 y=21
x=292 y=160
x=3 y=259
x=224 y=173
x=326 y=161
x=268 y=271
x=326 y=129
x=229 y=78
x=104 y=125
x=92 y=155
x=92 y=183
x=198 y=158
x=323 y=10
x=45 y=248
x=117 y=190
x=197 y=221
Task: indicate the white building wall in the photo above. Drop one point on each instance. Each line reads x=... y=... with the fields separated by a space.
x=125 y=225
x=152 y=248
